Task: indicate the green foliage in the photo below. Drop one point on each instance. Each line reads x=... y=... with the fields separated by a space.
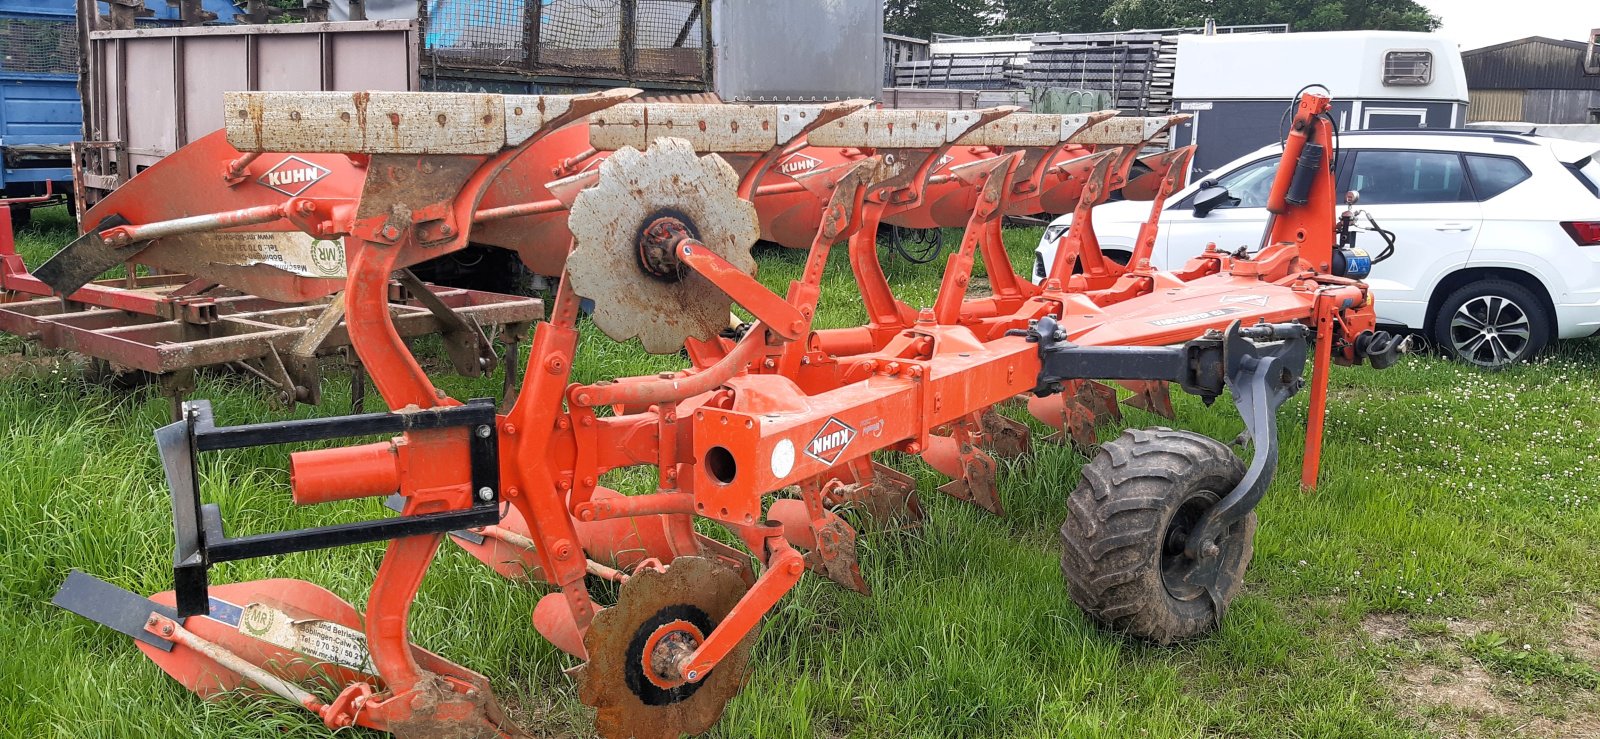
x=1446 y=493
x=922 y=18
x=1530 y=664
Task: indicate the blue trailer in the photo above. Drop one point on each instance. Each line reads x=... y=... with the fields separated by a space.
x=40 y=113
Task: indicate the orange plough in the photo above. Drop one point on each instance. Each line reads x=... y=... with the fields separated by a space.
x=774 y=430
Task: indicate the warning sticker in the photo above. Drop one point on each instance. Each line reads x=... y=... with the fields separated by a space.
x=1192 y=317
x=290 y=251
x=323 y=641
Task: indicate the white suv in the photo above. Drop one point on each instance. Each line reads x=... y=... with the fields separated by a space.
x=1497 y=235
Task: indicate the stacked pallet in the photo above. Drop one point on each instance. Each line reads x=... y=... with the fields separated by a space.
x=1124 y=65
x=965 y=71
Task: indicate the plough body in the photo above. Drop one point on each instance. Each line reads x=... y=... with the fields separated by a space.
x=770 y=432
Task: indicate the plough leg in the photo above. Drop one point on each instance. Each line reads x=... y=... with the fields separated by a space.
x=958 y=456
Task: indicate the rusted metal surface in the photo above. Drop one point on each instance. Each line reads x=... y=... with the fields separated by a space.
x=608 y=219
x=1129 y=130
x=243 y=328
x=897 y=129
x=366 y=122
x=730 y=128
x=695 y=590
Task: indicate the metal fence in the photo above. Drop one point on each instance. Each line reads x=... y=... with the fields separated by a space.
x=627 y=39
x=38 y=46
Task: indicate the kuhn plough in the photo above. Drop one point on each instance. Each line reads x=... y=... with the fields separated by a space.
x=771 y=430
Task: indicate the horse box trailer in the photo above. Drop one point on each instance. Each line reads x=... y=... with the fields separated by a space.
x=1238 y=86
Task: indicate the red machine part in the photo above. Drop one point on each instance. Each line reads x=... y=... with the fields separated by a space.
x=782 y=406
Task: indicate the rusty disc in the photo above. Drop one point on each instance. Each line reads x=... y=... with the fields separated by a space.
x=694 y=594
x=609 y=222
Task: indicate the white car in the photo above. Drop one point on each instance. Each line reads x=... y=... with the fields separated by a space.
x=1497 y=235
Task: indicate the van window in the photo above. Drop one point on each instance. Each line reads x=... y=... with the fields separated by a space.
x=1386 y=176
x=1494 y=175
x=1408 y=68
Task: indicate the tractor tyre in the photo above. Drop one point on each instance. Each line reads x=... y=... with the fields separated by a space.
x=1122 y=546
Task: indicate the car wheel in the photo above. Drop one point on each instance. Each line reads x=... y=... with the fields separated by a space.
x=1492 y=324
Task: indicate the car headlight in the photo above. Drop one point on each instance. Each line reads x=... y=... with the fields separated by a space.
x=1054 y=231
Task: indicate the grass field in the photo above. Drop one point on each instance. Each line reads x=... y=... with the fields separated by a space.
x=1444 y=580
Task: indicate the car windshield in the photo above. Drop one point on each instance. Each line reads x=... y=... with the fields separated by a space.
x=1252 y=184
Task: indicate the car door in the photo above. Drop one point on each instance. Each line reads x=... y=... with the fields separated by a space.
x=1424 y=197
x=1235 y=223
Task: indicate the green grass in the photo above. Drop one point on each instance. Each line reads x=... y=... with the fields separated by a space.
x=1449 y=496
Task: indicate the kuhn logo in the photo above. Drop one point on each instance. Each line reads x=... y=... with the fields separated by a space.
x=797 y=163
x=830 y=441
x=292 y=176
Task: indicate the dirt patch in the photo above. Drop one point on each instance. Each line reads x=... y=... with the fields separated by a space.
x=1469 y=690
x=23 y=365
x=1385 y=627
x=1582 y=637
x=1469 y=701
x=1582 y=727
x=1463 y=628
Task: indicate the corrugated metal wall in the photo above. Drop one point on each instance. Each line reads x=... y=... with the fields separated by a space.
x=1494 y=105
x=1560 y=106
x=1528 y=66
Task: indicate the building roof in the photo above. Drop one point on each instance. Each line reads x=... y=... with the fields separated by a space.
x=1533 y=63
x=1579 y=45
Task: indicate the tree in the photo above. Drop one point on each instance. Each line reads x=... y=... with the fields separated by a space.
x=1301 y=15
x=923 y=18
x=1034 y=16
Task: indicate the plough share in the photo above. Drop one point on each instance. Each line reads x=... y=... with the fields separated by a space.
x=650 y=211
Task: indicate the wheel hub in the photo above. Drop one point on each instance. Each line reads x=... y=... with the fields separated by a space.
x=658 y=248
x=666 y=651
x=1178 y=571
x=1490 y=331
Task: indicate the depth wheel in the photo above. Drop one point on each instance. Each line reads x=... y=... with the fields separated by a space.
x=633 y=647
x=1127 y=524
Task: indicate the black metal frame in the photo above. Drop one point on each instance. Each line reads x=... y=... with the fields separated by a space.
x=1261 y=364
x=201 y=538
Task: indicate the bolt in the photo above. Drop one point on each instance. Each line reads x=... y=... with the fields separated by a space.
x=583 y=398
x=484 y=431
x=563 y=484
x=511 y=429
x=1210 y=550
x=485 y=493
x=588 y=482
x=562 y=423
x=390 y=232
x=447 y=230
x=692 y=675
x=563 y=550
x=166 y=629
x=152 y=620
x=913 y=448
x=554 y=365
x=513 y=493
